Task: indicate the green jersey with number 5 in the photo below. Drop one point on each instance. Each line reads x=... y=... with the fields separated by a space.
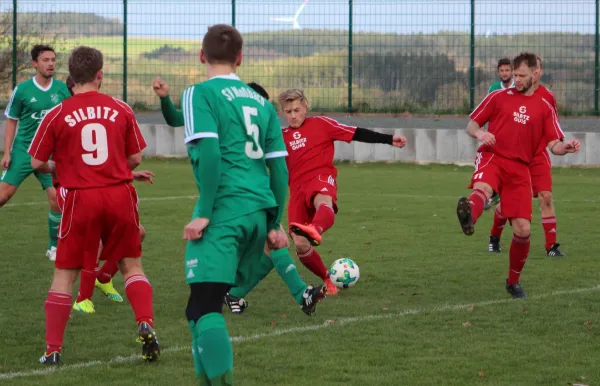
x=248 y=130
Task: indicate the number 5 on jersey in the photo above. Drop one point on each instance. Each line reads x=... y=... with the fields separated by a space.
x=253 y=149
x=95 y=142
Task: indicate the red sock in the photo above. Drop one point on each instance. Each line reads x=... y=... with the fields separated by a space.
x=86 y=285
x=108 y=271
x=312 y=260
x=323 y=218
x=499 y=223
x=519 y=249
x=139 y=293
x=549 y=224
x=477 y=201
x=58 y=308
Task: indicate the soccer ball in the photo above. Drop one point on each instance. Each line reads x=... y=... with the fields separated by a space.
x=344 y=273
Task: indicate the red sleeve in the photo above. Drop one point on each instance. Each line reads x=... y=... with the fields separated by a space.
x=42 y=145
x=134 y=140
x=483 y=113
x=552 y=130
x=338 y=131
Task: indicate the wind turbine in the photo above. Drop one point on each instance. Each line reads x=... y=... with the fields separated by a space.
x=292 y=19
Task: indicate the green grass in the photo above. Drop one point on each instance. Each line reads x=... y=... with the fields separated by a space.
x=430 y=307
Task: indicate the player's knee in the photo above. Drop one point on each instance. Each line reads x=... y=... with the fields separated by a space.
x=301 y=243
x=5 y=193
x=130 y=266
x=521 y=227
x=486 y=188
x=321 y=199
x=142 y=232
x=205 y=298
x=545 y=198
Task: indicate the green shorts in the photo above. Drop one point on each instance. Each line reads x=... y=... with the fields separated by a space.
x=227 y=251
x=20 y=168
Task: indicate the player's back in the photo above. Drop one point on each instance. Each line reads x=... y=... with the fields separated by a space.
x=226 y=108
x=93 y=134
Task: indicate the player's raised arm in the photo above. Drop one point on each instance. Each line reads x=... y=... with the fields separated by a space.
x=346 y=133
x=172 y=116
x=43 y=143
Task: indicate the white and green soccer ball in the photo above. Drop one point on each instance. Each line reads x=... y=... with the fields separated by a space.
x=344 y=273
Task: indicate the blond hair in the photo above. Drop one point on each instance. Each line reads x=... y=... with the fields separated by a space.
x=291 y=95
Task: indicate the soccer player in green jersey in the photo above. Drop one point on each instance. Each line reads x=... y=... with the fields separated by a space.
x=236 y=148
x=505 y=71
x=29 y=103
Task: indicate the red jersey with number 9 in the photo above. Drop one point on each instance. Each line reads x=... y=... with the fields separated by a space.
x=89 y=137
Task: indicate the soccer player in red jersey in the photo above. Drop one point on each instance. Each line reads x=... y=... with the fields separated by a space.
x=313 y=188
x=95 y=143
x=519 y=120
x=540 y=170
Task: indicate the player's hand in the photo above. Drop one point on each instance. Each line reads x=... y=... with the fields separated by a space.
x=193 y=230
x=277 y=239
x=143 y=176
x=572 y=146
x=161 y=88
x=399 y=141
x=5 y=161
x=486 y=137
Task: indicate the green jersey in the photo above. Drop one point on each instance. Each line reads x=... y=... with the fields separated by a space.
x=499 y=86
x=29 y=103
x=248 y=132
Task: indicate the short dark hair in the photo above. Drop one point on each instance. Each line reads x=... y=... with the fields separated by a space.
x=84 y=64
x=259 y=89
x=528 y=58
x=38 y=49
x=222 y=44
x=70 y=84
x=504 y=62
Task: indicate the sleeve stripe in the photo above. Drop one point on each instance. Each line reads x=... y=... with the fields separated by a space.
x=39 y=142
x=10 y=102
x=555 y=121
x=487 y=100
x=130 y=112
x=276 y=154
x=188 y=111
x=205 y=134
x=337 y=125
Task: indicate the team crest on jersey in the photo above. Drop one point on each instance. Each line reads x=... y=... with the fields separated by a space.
x=521 y=116
x=54 y=98
x=298 y=141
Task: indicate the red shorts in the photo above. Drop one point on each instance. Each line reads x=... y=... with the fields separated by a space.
x=107 y=214
x=61 y=195
x=510 y=179
x=301 y=207
x=540 y=170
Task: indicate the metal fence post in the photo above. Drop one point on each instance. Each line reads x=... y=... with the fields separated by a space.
x=233 y=13
x=472 y=64
x=350 y=56
x=125 y=50
x=596 y=58
x=14 y=46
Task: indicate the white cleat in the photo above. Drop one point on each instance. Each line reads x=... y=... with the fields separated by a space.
x=51 y=254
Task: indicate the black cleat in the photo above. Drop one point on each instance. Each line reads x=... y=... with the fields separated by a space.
x=310 y=298
x=463 y=212
x=516 y=291
x=150 y=347
x=50 y=359
x=236 y=305
x=494 y=245
x=554 y=251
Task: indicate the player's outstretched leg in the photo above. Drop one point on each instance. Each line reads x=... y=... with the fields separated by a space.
x=213 y=357
x=234 y=299
x=468 y=210
x=322 y=220
x=549 y=224
x=496 y=231
x=311 y=259
x=519 y=250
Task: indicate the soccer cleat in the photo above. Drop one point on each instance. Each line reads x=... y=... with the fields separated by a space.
x=236 y=305
x=494 y=245
x=463 y=212
x=110 y=291
x=492 y=202
x=554 y=251
x=51 y=254
x=331 y=288
x=50 y=359
x=310 y=298
x=150 y=347
x=516 y=291
x=308 y=231
x=86 y=306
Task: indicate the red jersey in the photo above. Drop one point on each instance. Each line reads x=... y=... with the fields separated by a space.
x=549 y=96
x=89 y=137
x=311 y=147
x=521 y=124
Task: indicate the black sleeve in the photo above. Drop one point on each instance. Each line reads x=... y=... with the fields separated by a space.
x=369 y=136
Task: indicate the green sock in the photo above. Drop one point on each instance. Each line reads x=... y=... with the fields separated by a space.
x=53 y=224
x=262 y=269
x=214 y=344
x=285 y=267
x=200 y=373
